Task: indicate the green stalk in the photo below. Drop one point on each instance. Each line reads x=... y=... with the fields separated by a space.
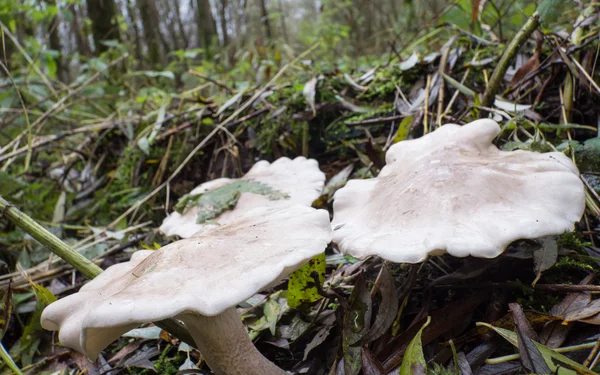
x=496 y=79
x=78 y=261
x=53 y=243
x=9 y=361
x=564 y=349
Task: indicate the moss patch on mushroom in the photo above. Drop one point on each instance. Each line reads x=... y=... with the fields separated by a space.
x=212 y=203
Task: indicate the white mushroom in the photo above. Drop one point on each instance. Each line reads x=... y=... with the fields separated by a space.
x=198 y=281
x=300 y=179
x=454 y=191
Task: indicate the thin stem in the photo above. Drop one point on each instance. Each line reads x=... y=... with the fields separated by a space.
x=496 y=79
x=8 y=360
x=225 y=345
x=53 y=243
x=566 y=349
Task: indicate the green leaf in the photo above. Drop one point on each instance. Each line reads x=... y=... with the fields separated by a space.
x=459 y=86
x=403 y=129
x=550 y=10
x=234 y=99
x=413 y=362
x=8 y=360
x=558 y=363
x=272 y=312
x=212 y=203
x=301 y=286
x=29 y=340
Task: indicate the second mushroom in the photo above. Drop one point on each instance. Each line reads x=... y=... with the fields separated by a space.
x=454 y=191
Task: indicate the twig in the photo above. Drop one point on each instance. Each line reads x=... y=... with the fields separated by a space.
x=247 y=117
x=49 y=139
x=376 y=121
x=59 y=103
x=472 y=36
x=442 y=71
x=510 y=52
x=566 y=288
x=196 y=74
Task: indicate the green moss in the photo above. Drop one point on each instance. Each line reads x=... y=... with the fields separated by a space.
x=386 y=109
x=570 y=241
x=128 y=163
x=166 y=365
x=283 y=131
x=571 y=263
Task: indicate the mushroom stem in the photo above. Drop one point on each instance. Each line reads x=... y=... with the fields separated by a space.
x=225 y=345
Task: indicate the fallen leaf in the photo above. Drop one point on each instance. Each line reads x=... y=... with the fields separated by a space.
x=356 y=324
x=301 y=285
x=388 y=307
x=531 y=358
x=338 y=181
x=317 y=340
x=370 y=363
x=549 y=355
x=234 y=99
x=413 y=362
x=545 y=257
x=309 y=92
x=590 y=310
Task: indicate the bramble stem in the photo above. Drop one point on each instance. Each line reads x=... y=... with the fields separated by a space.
x=53 y=243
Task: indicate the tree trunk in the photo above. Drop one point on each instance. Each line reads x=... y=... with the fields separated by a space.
x=103 y=14
x=151 y=25
x=265 y=19
x=131 y=11
x=177 y=15
x=83 y=46
x=223 y=22
x=283 y=26
x=169 y=21
x=207 y=27
x=54 y=40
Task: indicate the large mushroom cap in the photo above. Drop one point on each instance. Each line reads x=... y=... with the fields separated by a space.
x=206 y=274
x=300 y=179
x=454 y=191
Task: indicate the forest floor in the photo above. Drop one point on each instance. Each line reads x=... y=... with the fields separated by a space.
x=101 y=168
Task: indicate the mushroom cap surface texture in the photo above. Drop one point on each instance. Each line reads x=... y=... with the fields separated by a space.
x=300 y=178
x=206 y=274
x=453 y=191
